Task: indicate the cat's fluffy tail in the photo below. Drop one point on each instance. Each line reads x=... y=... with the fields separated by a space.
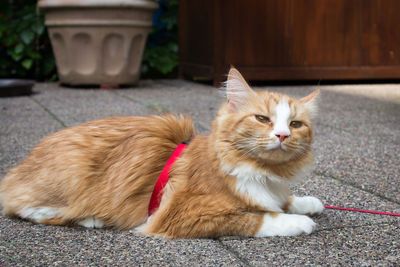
x=175 y=129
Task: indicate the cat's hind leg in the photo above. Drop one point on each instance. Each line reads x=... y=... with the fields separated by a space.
x=57 y=221
x=53 y=216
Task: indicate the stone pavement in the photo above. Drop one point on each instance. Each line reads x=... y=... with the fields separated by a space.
x=357 y=146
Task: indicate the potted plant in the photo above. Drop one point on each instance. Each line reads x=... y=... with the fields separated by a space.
x=98 y=41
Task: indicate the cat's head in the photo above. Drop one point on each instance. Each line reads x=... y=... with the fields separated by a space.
x=267 y=127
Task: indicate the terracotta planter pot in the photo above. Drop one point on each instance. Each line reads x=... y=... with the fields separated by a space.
x=98 y=41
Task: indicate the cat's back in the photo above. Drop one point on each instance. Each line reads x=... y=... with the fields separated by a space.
x=96 y=143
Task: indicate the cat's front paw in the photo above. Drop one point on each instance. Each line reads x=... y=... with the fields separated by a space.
x=286 y=225
x=306 y=205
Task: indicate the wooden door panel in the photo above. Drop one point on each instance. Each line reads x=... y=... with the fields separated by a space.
x=291 y=39
x=381 y=32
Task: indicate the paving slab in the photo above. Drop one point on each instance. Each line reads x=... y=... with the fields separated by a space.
x=22 y=124
x=38 y=245
x=369 y=163
x=385 y=92
x=360 y=148
x=74 y=106
x=23 y=121
x=199 y=101
x=334 y=193
x=376 y=245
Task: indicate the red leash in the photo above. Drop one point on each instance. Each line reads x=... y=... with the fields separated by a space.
x=365 y=211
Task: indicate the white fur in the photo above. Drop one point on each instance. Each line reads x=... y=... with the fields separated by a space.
x=265 y=189
x=286 y=225
x=237 y=91
x=91 y=222
x=312 y=107
x=276 y=144
x=281 y=119
x=38 y=214
x=306 y=205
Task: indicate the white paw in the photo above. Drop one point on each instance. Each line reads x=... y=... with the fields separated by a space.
x=286 y=225
x=91 y=222
x=306 y=205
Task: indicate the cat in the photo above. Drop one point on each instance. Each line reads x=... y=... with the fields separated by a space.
x=234 y=181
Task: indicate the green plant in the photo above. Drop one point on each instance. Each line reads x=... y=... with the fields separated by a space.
x=25 y=47
x=160 y=57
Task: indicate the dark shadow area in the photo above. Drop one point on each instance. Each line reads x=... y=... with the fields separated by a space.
x=96 y=86
x=15 y=87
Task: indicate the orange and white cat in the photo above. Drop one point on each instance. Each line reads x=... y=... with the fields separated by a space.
x=231 y=182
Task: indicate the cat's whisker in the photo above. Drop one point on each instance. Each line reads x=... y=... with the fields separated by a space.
x=247 y=153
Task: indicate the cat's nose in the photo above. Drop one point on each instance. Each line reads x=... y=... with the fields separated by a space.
x=282 y=136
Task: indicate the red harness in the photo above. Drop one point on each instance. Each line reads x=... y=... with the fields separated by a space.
x=163 y=179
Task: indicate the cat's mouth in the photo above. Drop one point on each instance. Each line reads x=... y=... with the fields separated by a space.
x=277 y=146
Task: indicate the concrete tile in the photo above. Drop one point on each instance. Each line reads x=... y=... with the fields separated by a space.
x=366 y=161
x=22 y=124
x=40 y=245
x=74 y=106
x=199 y=101
x=22 y=121
x=8 y=261
x=384 y=92
x=376 y=245
x=334 y=193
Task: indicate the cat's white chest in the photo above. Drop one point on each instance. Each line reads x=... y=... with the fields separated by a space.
x=264 y=189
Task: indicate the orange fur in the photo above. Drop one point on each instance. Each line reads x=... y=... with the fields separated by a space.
x=107 y=169
x=56 y=221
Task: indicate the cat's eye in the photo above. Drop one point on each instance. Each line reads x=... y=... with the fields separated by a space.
x=262 y=119
x=296 y=124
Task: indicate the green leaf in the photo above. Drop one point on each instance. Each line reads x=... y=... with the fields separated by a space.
x=53 y=78
x=14 y=55
x=27 y=63
x=33 y=54
x=27 y=37
x=49 y=66
x=19 y=48
x=173 y=47
x=29 y=16
x=38 y=28
x=10 y=40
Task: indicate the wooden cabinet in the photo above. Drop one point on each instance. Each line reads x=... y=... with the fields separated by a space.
x=290 y=39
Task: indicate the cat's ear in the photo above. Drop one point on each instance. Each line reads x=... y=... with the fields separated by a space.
x=310 y=102
x=238 y=91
